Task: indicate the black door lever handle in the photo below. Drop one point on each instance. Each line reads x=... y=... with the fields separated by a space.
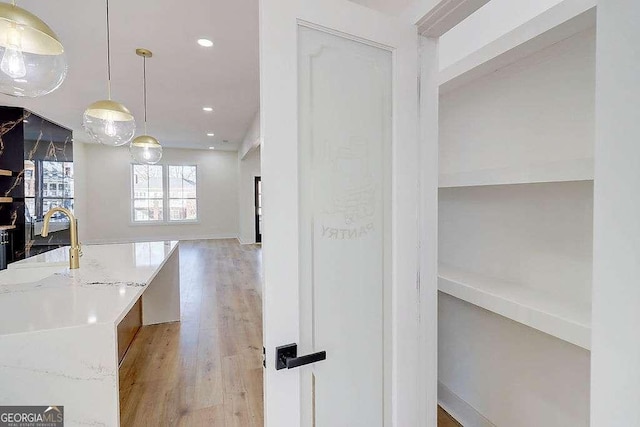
x=287 y=357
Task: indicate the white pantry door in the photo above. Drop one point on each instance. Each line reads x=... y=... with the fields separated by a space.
x=339 y=99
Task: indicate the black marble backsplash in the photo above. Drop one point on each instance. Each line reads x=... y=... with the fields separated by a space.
x=28 y=136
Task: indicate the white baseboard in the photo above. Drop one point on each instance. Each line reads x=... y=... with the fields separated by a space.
x=464 y=413
x=157 y=239
x=244 y=241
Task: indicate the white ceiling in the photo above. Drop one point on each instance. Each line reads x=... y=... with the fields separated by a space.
x=182 y=77
x=393 y=7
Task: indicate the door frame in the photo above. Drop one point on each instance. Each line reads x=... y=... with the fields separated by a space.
x=257 y=216
x=414 y=246
x=432 y=18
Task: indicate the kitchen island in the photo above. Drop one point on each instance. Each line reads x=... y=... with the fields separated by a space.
x=59 y=327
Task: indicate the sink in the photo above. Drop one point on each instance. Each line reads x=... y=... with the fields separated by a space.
x=29 y=265
x=55 y=258
x=21 y=275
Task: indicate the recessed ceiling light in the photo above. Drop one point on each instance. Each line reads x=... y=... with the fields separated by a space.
x=210 y=134
x=207 y=109
x=205 y=42
x=212 y=148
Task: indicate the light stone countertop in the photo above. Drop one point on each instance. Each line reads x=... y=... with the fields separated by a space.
x=41 y=293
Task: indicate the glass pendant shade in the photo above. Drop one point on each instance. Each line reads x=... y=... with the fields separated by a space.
x=32 y=59
x=146 y=150
x=109 y=123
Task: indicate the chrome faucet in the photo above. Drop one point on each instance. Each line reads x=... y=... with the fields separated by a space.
x=74 y=250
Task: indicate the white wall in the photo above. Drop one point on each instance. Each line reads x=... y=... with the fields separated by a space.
x=248 y=169
x=108 y=196
x=251 y=138
x=616 y=273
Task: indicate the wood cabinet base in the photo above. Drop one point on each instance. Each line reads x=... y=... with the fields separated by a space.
x=128 y=328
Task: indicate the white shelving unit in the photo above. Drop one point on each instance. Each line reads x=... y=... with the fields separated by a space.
x=515 y=233
x=560 y=171
x=564 y=319
x=532 y=121
x=562 y=21
x=530 y=239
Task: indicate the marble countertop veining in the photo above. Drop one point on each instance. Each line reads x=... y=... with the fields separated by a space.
x=109 y=281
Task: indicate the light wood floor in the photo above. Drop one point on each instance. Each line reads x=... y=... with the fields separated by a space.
x=446 y=420
x=207 y=369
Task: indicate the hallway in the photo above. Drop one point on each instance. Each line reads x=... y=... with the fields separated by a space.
x=206 y=370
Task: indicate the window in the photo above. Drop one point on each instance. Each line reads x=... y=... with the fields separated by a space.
x=148 y=193
x=58 y=178
x=182 y=193
x=29 y=190
x=154 y=187
x=48 y=184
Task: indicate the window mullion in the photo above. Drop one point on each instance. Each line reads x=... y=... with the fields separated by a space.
x=165 y=202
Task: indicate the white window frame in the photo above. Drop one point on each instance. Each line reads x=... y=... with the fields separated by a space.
x=168 y=197
x=165 y=199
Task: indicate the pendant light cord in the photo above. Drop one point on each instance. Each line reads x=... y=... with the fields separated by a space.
x=144 y=89
x=108 y=54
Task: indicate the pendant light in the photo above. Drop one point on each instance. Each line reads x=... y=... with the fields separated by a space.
x=145 y=149
x=109 y=122
x=33 y=61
